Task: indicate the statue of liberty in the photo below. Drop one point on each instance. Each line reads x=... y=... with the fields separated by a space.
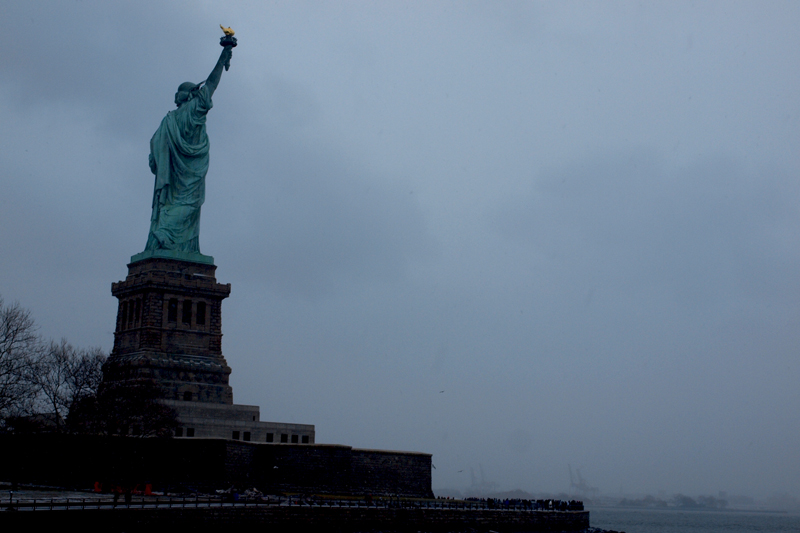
x=179 y=160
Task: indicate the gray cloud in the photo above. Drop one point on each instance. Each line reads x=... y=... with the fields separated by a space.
x=634 y=223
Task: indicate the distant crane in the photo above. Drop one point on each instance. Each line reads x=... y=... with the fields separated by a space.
x=580 y=486
x=483 y=487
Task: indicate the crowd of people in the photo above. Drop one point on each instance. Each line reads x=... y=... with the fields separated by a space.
x=532 y=505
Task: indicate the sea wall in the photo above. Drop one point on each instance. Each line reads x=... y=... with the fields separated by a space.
x=208 y=464
x=280 y=519
x=329 y=468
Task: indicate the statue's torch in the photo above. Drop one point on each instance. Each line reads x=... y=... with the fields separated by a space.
x=227 y=40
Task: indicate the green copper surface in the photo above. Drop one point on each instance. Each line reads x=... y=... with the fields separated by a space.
x=179 y=161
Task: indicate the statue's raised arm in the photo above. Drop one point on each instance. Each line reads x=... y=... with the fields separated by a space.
x=216 y=74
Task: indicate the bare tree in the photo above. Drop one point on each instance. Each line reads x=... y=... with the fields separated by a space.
x=86 y=373
x=126 y=409
x=39 y=382
x=50 y=379
x=63 y=375
x=19 y=349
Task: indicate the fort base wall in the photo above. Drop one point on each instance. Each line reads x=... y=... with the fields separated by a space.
x=208 y=464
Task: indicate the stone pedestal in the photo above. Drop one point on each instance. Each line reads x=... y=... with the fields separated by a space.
x=169 y=329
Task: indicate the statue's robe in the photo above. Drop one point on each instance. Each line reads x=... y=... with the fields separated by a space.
x=179 y=160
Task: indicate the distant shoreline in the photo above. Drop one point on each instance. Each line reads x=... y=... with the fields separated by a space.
x=686 y=509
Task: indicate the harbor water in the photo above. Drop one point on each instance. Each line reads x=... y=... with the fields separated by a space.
x=670 y=521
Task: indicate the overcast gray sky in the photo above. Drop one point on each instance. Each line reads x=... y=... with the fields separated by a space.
x=515 y=235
